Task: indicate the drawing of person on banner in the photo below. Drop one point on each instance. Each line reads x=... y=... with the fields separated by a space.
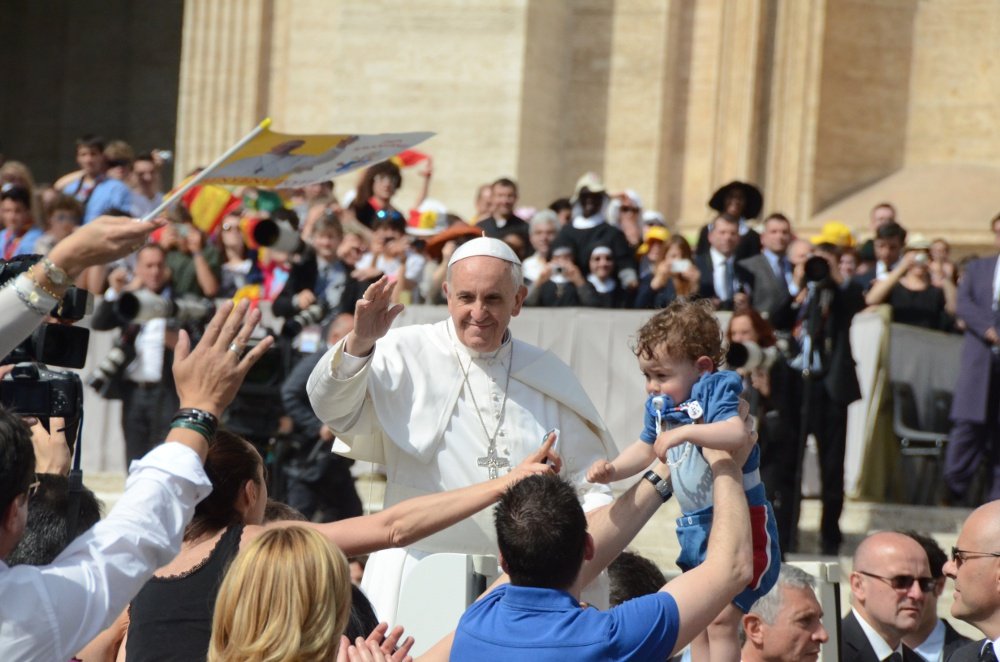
x=276 y=163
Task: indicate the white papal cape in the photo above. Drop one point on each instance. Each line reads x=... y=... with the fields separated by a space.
x=408 y=408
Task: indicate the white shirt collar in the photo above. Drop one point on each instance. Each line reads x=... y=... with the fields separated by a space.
x=878 y=644
x=717 y=257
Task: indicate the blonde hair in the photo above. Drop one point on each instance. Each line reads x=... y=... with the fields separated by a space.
x=287 y=596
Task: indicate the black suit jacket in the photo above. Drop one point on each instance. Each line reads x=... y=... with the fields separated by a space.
x=302 y=276
x=953 y=642
x=748 y=247
x=854 y=645
x=968 y=652
x=514 y=225
x=768 y=293
x=706 y=285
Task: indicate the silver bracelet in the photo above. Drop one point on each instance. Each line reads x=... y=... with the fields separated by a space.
x=31 y=295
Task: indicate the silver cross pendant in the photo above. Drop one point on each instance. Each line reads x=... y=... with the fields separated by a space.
x=493 y=463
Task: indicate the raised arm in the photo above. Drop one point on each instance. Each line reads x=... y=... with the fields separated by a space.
x=703 y=591
x=879 y=292
x=416 y=518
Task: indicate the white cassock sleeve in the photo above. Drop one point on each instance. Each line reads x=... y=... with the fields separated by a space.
x=337 y=390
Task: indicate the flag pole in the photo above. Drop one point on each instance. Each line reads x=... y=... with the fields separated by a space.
x=197 y=179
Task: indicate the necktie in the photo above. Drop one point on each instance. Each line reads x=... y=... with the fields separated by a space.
x=987 y=654
x=730 y=280
x=895 y=657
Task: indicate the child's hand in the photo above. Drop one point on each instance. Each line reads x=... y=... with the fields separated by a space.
x=667 y=440
x=601 y=471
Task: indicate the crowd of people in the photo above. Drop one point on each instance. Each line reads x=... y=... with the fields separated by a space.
x=192 y=562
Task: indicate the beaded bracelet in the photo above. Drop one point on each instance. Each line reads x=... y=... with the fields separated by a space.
x=34 y=279
x=39 y=302
x=203 y=422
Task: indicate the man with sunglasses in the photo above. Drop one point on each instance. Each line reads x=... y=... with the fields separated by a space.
x=889 y=585
x=975 y=569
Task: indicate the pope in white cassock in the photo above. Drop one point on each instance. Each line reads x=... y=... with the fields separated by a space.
x=450 y=404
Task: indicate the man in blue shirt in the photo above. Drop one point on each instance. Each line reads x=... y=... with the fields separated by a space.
x=91 y=185
x=549 y=554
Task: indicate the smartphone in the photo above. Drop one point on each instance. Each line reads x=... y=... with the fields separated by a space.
x=555 y=444
x=679 y=266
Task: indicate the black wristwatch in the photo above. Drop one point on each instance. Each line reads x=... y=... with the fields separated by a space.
x=663 y=487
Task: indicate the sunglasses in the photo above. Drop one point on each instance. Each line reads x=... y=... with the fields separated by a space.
x=904 y=582
x=960 y=556
x=634 y=210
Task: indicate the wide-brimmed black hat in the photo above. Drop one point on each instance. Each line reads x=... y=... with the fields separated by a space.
x=755 y=201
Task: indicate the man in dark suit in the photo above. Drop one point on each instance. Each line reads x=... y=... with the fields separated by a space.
x=975 y=569
x=935 y=638
x=975 y=409
x=888 y=592
x=824 y=310
x=720 y=280
x=890 y=239
x=769 y=274
x=502 y=220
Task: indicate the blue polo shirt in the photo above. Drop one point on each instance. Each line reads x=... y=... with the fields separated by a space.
x=515 y=623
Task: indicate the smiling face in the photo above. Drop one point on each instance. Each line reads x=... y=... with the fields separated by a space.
x=482 y=299
x=891 y=612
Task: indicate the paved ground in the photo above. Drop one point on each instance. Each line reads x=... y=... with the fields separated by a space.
x=658 y=542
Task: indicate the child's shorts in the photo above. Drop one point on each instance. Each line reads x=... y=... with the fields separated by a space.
x=692 y=534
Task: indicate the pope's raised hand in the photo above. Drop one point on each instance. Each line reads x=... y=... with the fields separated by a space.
x=373 y=315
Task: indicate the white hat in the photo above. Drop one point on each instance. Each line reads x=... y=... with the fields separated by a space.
x=487 y=246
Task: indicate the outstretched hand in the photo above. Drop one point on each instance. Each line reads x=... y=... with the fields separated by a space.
x=545 y=460
x=373 y=315
x=103 y=240
x=209 y=376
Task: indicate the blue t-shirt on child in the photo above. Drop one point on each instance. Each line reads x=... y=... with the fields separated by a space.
x=715 y=397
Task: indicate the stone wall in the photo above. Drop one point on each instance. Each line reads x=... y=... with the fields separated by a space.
x=813 y=99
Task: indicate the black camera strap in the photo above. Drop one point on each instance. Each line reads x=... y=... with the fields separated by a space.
x=75 y=488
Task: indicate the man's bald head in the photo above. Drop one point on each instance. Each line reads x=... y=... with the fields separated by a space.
x=882 y=561
x=977 y=572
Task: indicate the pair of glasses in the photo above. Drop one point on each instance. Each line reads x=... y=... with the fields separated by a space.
x=960 y=556
x=904 y=582
x=634 y=210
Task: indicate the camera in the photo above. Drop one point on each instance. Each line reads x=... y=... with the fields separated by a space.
x=557 y=270
x=103 y=377
x=58 y=344
x=308 y=316
x=751 y=356
x=34 y=390
x=817 y=269
x=921 y=258
x=143 y=305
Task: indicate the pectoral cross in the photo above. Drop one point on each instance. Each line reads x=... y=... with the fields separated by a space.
x=493 y=462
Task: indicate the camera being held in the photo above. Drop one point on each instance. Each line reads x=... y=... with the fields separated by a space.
x=751 y=356
x=33 y=390
x=143 y=305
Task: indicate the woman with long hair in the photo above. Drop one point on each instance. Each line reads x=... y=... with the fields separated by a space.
x=672 y=275
x=287 y=596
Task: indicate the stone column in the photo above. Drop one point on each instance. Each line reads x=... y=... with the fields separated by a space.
x=224 y=76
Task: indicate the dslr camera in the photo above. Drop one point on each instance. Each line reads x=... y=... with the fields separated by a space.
x=32 y=389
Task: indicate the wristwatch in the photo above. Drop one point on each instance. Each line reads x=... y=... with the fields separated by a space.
x=663 y=487
x=54 y=274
